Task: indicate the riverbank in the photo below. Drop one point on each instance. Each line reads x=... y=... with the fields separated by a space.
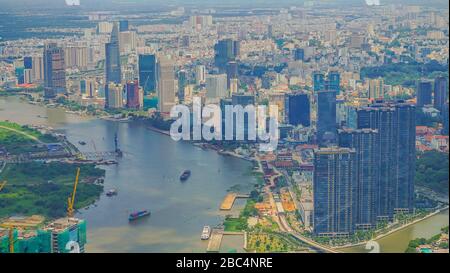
x=398 y=232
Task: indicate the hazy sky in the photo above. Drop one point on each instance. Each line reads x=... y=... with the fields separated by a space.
x=21 y=4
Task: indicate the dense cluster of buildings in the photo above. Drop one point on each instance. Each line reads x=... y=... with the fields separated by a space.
x=362 y=129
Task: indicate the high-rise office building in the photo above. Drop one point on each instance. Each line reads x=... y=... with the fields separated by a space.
x=297 y=109
x=112 y=57
x=326 y=117
x=200 y=74
x=38 y=69
x=216 y=86
x=365 y=144
x=330 y=83
x=395 y=123
x=234 y=86
x=445 y=118
x=54 y=71
x=165 y=84
x=440 y=93
x=147 y=72
x=28 y=62
x=333 y=82
x=232 y=72
x=182 y=82
x=376 y=89
x=133 y=97
x=299 y=54
x=123 y=25
x=76 y=57
x=423 y=93
x=225 y=51
x=334 y=190
x=318 y=81
x=114 y=95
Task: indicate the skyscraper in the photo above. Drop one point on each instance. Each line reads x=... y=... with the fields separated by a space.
x=440 y=93
x=297 y=108
x=54 y=71
x=38 y=69
x=147 y=72
x=445 y=119
x=326 y=117
x=165 y=84
x=424 y=92
x=334 y=190
x=318 y=81
x=182 y=82
x=123 y=25
x=114 y=95
x=376 y=89
x=330 y=83
x=200 y=74
x=364 y=142
x=299 y=54
x=232 y=72
x=216 y=86
x=112 y=57
x=225 y=51
x=132 y=88
x=395 y=123
x=333 y=82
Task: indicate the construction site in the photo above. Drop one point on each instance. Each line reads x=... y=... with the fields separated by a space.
x=33 y=235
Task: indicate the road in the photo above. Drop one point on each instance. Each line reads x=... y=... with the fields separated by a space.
x=21 y=133
x=280 y=218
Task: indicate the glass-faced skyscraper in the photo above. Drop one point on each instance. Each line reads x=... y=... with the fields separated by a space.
x=395 y=123
x=334 y=189
x=297 y=108
x=424 y=93
x=54 y=71
x=147 y=72
x=226 y=51
x=440 y=93
x=364 y=142
x=326 y=117
x=112 y=57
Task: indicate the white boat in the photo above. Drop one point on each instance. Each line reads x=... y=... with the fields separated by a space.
x=206 y=233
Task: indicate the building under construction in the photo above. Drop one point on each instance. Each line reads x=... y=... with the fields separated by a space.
x=29 y=235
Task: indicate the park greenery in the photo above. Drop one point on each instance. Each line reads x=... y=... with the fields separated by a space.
x=16 y=139
x=413 y=244
x=240 y=223
x=432 y=171
x=43 y=188
x=405 y=74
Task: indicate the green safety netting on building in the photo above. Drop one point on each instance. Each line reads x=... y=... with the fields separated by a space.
x=42 y=242
x=82 y=233
x=63 y=239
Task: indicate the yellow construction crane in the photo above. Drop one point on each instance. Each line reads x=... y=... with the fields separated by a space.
x=71 y=199
x=2 y=185
x=10 y=228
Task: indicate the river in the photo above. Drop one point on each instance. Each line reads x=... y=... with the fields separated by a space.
x=147 y=178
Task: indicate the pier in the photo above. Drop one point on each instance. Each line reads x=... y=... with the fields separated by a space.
x=229 y=199
x=215 y=241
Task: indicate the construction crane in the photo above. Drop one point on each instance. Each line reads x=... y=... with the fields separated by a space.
x=71 y=199
x=10 y=228
x=2 y=185
x=10 y=236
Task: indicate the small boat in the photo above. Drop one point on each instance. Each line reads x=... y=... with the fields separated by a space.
x=206 y=233
x=185 y=175
x=138 y=214
x=82 y=142
x=111 y=192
